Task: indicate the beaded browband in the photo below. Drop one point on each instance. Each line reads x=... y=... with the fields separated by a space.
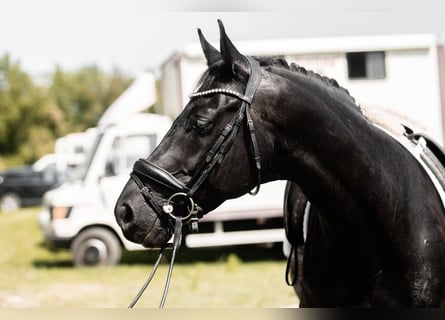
x=223 y=91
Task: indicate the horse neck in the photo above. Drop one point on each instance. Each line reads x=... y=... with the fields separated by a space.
x=363 y=184
x=320 y=142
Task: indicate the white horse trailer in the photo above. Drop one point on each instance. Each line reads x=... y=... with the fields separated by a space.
x=400 y=74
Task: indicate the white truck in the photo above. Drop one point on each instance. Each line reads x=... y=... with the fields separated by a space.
x=79 y=215
x=75 y=146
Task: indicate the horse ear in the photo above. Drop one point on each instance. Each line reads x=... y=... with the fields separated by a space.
x=230 y=53
x=211 y=53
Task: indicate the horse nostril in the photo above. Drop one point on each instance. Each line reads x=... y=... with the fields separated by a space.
x=126 y=214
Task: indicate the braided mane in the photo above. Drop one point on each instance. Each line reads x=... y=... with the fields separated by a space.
x=280 y=62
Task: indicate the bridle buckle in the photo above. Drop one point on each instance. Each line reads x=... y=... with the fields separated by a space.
x=192 y=208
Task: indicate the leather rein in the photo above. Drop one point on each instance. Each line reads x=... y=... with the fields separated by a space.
x=145 y=171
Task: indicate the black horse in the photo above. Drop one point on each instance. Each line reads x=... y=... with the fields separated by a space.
x=377 y=233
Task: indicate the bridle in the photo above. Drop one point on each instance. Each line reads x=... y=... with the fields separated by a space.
x=146 y=172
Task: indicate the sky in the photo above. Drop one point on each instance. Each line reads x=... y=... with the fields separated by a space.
x=134 y=35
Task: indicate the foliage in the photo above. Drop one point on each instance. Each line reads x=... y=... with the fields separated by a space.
x=32 y=116
x=22 y=105
x=83 y=95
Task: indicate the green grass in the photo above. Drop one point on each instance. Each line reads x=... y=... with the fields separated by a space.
x=32 y=276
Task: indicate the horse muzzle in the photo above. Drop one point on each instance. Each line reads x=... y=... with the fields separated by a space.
x=170 y=200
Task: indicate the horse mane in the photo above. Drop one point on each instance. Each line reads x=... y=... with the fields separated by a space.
x=281 y=63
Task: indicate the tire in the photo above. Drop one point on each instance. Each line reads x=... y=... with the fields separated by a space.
x=96 y=247
x=10 y=202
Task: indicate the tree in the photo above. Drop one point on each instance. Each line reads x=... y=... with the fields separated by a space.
x=83 y=95
x=22 y=106
x=32 y=116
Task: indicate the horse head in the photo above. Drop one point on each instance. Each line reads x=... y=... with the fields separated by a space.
x=210 y=154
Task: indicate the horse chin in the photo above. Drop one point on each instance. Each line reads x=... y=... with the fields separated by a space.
x=157 y=237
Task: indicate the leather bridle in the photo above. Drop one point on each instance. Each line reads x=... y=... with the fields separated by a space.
x=150 y=173
x=146 y=171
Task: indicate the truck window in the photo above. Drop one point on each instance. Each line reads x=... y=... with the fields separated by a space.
x=49 y=174
x=82 y=171
x=138 y=147
x=113 y=160
x=126 y=150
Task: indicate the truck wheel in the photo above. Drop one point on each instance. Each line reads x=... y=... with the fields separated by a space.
x=10 y=202
x=96 y=247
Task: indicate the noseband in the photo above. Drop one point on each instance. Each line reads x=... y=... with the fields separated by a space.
x=146 y=171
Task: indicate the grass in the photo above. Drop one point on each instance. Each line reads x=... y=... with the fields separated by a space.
x=32 y=276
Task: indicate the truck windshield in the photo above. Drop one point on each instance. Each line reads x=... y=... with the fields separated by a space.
x=82 y=170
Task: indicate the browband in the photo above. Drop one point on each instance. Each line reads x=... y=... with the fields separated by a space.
x=220 y=90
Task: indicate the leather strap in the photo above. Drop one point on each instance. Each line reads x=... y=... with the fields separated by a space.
x=150 y=172
x=149 y=199
x=229 y=133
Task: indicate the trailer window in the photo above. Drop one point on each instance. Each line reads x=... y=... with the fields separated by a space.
x=366 y=65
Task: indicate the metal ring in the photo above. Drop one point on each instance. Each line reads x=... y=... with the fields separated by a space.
x=191 y=208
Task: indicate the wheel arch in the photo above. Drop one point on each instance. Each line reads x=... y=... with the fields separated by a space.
x=99 y=225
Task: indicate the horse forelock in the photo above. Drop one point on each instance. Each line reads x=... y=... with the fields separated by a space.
x=203 y=81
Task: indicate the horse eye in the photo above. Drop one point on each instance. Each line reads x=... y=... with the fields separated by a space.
x=201 y=125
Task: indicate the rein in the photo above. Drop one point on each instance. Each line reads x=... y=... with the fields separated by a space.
x=176 y=244
x=146 y=171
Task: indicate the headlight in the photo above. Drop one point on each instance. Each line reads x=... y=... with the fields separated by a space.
x=60 y=212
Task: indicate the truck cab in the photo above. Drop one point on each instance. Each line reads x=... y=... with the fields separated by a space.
x=79 y=214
